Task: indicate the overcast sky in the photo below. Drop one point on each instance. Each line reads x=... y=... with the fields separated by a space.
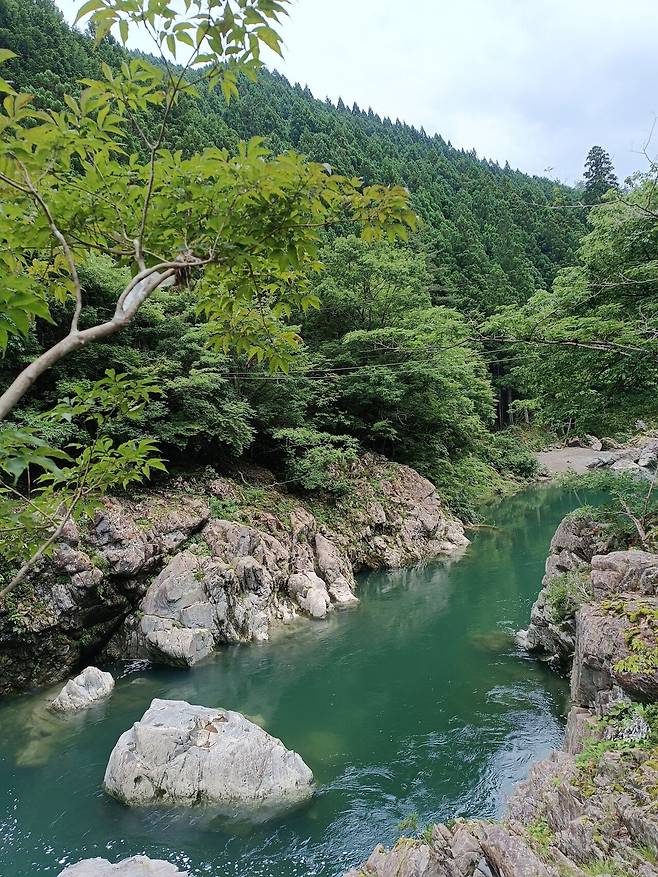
x=534 y=82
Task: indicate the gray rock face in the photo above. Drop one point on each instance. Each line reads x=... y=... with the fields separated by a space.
x=575 y=543
x=413 y=860
x=251 y=580
x=624 y=572
x=90 y=585
x=87 y=689
x=185 y=610
x=580 y=726
x=604 y=638
x=183 y=754
x=619 y=623
x=136 y=866
x=131 y=547
x=415 y=524
x=467 y=849
x=130 y=587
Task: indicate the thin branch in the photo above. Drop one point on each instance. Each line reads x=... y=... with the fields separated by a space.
x=642 y=533
x=39 y=553
x=63 y=242
x=606 y=346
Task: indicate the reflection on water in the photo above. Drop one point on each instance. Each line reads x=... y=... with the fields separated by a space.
x=416 y=701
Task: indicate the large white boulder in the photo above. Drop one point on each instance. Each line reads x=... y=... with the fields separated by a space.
x=183 y=754
x=136 y=866
x=90 y=687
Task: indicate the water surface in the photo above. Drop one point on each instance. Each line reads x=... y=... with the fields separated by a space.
x=416 y=702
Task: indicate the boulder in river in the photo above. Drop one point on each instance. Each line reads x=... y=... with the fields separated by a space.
x=88 y=688
x=136 y=866
x=183 y=754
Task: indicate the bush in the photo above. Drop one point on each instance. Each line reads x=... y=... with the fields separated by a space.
x=565 y=594
x=506 y=452
x=317 y=460
x=466 y=484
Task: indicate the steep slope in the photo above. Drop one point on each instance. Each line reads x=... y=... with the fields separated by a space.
x=488 y=230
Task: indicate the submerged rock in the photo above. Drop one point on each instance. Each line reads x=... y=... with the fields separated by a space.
x=136 y=866
x=183 y=754
x=90 y=687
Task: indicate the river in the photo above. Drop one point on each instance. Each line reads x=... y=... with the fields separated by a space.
x=415 y=705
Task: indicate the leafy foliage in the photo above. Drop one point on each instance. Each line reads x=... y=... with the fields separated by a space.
x=631 y=512
x=318 y=460
x=565 y=594
x=240 y=231
x=33 y=511
x=590 y=357
x=617 y=728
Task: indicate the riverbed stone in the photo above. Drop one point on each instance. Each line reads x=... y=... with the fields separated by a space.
x=136 y=866
x=625 y=465
x=186 y=755
x=88 y=688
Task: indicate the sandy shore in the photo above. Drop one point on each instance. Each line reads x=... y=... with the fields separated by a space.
x=568 y=459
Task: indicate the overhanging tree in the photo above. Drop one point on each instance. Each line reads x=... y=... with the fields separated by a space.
x=242 y=231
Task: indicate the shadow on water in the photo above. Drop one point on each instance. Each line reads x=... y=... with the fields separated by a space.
x=417 y=701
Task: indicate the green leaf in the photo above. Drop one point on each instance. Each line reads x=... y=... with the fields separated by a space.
x=86 y=8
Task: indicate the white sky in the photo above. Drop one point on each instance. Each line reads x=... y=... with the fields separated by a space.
x=534 y=82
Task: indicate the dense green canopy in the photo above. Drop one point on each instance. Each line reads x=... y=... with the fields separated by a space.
x=400 y=357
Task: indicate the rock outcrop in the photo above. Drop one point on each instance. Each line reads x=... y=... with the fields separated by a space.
x=576 y=541
x=78 y=599
x=642 y=457
x=163 y=577
x=88 y=688
x=186 y=755
x=136 y=866
x=249 y=580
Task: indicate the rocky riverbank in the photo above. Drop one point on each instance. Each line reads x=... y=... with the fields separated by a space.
x=169 y=575
x=591 y=809
x=639 y=456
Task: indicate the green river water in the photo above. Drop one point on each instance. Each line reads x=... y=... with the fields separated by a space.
x=416 y=702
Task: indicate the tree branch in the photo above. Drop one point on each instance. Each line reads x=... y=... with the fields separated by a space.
x=129 y=302
x=39 y=553
x=62 y=241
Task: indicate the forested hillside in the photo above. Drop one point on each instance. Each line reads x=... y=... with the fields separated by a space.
x=399 y=358
x=490 y=238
